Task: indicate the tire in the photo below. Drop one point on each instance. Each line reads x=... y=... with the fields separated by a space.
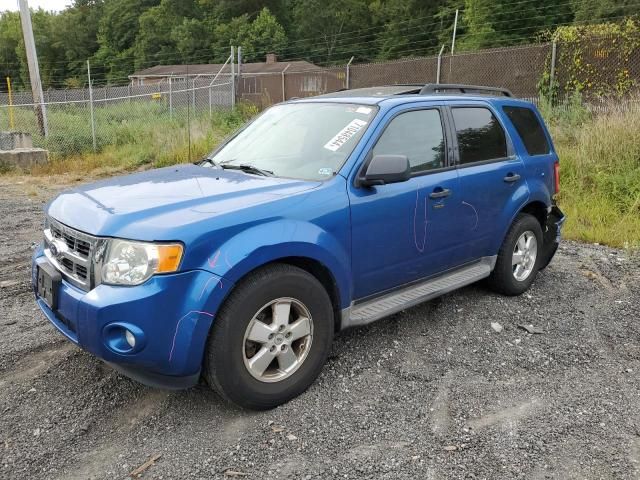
x=231 y=353
x=510 y=279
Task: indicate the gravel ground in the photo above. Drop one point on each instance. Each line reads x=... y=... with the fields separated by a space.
x=433 y=392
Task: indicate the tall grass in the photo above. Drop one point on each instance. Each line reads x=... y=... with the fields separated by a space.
x=599 y=171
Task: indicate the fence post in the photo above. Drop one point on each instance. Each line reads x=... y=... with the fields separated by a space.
x=171 y=96
x=193 y=93
x=233 y=79
x=284 y=95
x=93 y=125
x=552 y=72
x=349 y=73
x=439 y=64
x=11 y=124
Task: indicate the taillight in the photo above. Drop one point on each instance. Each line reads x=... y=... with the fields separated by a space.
x=556 y=176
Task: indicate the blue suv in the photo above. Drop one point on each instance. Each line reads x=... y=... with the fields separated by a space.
x=319 y=215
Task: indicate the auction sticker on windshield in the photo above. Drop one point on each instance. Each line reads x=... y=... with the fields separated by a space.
x=345 y=134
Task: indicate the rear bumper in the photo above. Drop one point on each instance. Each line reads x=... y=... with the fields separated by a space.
x=170 y=315
x=552 y=235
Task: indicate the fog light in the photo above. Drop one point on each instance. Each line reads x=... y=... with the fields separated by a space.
x=131 y=340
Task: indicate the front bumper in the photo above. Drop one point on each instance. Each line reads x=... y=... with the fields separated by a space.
x=170 y=315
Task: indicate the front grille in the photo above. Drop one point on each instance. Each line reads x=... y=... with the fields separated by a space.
x=73 y=243
x=70 y=251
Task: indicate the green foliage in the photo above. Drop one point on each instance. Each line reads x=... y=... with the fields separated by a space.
x=595 y=58
x=121 y=36
x=493 y=23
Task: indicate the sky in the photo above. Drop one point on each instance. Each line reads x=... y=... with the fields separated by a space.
x=55 y=5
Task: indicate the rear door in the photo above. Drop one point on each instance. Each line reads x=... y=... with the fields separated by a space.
x=491 y=175
x=533 y=141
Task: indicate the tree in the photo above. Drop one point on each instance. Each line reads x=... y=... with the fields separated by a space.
x=331 y=30
x=492 y=23
x=257 y=37
x=10 y=40
x=265 y=35
x=117 y=32
x=75 y=35
x=600 y=10
x=409 y=27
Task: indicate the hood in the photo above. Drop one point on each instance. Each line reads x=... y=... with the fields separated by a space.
x=151 y=205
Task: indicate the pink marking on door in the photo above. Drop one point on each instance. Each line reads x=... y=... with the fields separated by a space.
x=415 y=230
x=474 y=211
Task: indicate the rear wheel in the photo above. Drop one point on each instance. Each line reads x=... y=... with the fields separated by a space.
x=271 y=338
x=519 y=257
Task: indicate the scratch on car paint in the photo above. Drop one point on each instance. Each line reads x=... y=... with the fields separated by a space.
x=474 y=211
x=207 y=284
x=175 y=334
x=226 y=259
x=415 y=232
x=214 y=260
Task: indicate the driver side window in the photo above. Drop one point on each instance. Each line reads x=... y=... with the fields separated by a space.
x=417 y=134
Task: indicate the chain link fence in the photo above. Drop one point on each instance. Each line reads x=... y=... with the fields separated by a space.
x=84 y=120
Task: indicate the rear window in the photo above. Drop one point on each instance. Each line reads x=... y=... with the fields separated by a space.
x=529 y=129
x=480 y=135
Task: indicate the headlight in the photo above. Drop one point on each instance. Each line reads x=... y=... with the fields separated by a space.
x=132 y=263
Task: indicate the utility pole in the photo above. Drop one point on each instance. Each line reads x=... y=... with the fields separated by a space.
x=34 y=70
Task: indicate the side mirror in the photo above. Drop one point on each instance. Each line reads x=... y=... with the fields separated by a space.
x=384 y=169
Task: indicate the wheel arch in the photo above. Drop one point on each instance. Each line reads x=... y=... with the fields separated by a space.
x=316 y=268
x=536 y=208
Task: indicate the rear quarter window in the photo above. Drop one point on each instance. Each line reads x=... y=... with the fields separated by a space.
x=529 y=128
x=480 y=135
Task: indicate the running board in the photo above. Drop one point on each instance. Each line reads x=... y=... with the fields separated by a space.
x=370 y=311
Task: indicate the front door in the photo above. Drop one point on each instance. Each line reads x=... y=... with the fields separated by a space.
x=406 y=231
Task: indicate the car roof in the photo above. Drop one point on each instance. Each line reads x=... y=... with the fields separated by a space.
x=397 y=94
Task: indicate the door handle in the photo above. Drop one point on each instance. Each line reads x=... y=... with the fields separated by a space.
x=512 y=177
x=444 y=192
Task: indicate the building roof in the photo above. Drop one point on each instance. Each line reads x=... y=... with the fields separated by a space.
x=214 y=68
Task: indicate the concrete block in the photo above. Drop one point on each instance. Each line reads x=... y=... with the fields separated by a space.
x=12 y=140
x=24 y=157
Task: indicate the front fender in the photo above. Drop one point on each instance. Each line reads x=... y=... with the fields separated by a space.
x=279 y=239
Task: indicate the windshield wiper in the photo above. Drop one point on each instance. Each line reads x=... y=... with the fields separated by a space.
x=247 y=169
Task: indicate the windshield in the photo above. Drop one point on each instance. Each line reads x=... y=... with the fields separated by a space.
x=308 y=141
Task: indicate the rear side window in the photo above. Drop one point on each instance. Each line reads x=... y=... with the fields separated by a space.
x=418 y=135
x=529 y=129
x=480 y=135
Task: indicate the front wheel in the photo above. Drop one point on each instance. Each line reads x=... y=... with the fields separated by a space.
x=519 y=257
x=271 y=338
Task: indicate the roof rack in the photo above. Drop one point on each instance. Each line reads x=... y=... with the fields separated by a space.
x=439 y=87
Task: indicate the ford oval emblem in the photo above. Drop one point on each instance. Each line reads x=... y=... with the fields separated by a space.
x=53 y=249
